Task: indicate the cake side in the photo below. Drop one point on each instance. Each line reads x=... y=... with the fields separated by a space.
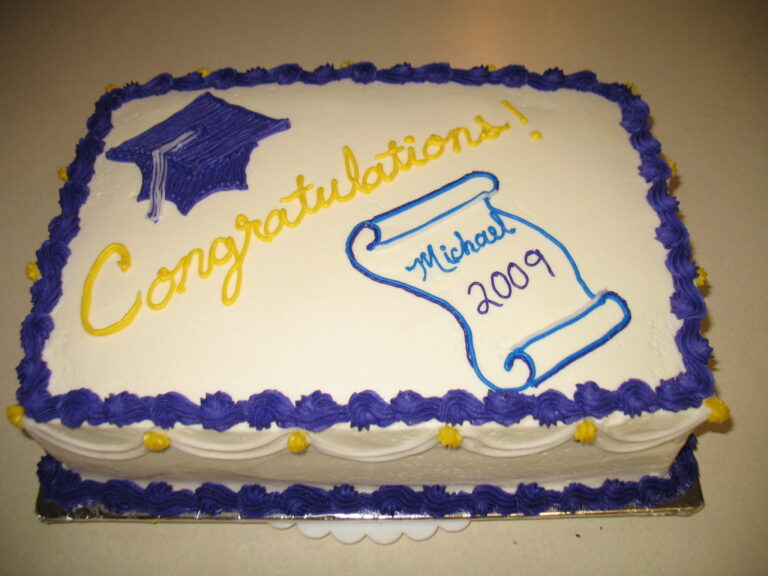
x=124 y=498
x=457 y=457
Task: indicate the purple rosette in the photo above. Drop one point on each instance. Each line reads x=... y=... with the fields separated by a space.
x=636 y=397
x=125 y=408
x=553 y=407
x=319 y=411
x=368 y=408
x=168 y=409
x=267 y=408
x=219 y=412
x=412 y=408
x=459 y=406
x=77 y=407
x=508 y=408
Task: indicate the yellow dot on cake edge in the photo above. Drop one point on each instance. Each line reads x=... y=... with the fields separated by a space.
x=718 y=410
x=156 y=441
x=701 y=278
x=297 y=442
x=586 y=432
x=15 y=415
x=32 y=272
x=449 y=437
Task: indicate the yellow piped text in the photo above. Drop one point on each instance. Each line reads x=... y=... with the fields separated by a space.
x=229 y=252
x=124 y=263
x=519 y=115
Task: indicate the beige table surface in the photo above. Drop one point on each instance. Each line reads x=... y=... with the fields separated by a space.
x=702 y=67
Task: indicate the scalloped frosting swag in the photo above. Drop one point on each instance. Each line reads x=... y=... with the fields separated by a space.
x=319 y=410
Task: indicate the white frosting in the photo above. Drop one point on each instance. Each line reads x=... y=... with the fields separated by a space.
x=306 y=320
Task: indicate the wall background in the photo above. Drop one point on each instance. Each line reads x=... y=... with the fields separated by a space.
x=701 y=67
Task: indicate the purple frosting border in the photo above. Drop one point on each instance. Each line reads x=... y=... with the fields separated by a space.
x=318 y=410
x=123 y=497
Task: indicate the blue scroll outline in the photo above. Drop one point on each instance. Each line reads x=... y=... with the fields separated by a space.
x=520 y=353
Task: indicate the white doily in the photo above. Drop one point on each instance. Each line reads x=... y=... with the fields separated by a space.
x=378 y=531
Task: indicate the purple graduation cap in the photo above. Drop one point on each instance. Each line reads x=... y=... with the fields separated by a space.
x=201 y=149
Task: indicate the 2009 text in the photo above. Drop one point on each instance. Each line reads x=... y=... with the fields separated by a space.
x=503 y=284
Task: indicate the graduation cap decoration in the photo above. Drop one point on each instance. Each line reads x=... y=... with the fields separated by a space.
x=201 y=149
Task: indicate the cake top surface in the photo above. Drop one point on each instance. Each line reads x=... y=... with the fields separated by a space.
x=377 y=245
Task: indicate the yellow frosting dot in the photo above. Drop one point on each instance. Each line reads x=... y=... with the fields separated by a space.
x=32 y=271
x=536 y=135
x=297 y=442
x=449 y=437
x=62 y=173
x=203 y=71
x=491 y=67
x=701 y=278
x=632 y=87
x=156 y=441
x=110 y=87
x=346 y=63
x=672 y=167
x=15 y=415
x=718 y=410
x=586 y=432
